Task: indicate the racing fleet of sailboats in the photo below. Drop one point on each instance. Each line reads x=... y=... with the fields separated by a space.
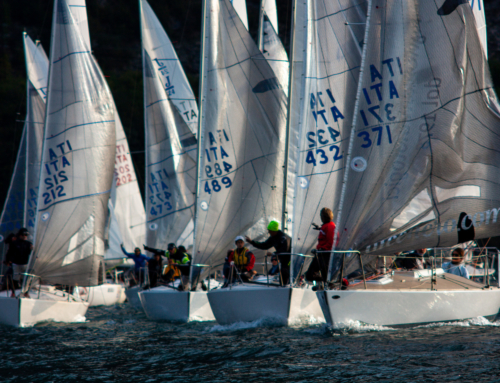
x=385 y=113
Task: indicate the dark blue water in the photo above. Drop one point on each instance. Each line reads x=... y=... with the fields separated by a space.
x=116 y=344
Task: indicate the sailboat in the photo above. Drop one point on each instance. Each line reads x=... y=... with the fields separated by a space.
x=325 y=62
x=270 y=44
x=421 y=166
x=75 y=181
x=20 y=205
x=171 y=115
x=241 y=154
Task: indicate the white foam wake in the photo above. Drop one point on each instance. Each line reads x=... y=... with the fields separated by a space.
x=262 y=322
x=479 y=321
x=359 y=327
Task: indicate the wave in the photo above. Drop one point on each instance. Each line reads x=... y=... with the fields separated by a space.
x=479 y=321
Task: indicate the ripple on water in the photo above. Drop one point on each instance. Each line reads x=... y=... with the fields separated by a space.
x=118 y=344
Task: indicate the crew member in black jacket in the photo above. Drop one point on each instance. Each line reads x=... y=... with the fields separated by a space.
x=281 y=243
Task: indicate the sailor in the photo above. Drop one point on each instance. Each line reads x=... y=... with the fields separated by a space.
x=180 y=259
x=155 y=269
x=140 y=261
x=281 y=243
x=242 y=259
x=17 y=256
x=318 y=270
x=456 y=266
x=275 y=269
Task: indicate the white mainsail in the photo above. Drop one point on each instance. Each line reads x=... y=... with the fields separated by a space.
x=128 y=225
x=333 y=39
x=77 y=163
x=241 y=9
x=270 y=44
x=170 y=168
x=20 y=204
x=242 y=139
x=425 y=145
x=480 y=18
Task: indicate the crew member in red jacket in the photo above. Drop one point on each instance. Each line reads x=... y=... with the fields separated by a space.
x=242 y=259
x=319 y=266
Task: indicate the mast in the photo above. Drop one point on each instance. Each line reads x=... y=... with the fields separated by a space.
x=261 y=25
x=289 y=110
x=201 y=120
x=352 y=135
x=141 y=16
x=26 y=130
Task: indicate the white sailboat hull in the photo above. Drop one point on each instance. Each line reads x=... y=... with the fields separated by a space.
x=248 y=303
x=163 y=303
x=132 y=294
x=107 y=294
x=400 y=308
x=27 y=312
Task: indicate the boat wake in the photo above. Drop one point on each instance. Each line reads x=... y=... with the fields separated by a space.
x=262 y=322
x=479 y=321
x=356 y=327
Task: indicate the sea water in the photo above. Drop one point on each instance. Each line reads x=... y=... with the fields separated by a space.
x=117 y=344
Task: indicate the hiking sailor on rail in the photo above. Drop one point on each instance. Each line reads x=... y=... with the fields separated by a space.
x=179 y=258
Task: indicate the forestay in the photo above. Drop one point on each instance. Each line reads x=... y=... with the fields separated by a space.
x=77 y=162
x=425 y=146
x=334 y=34
x=242 y=141
x=170 y=170
x=167 y=66
x=270 y=44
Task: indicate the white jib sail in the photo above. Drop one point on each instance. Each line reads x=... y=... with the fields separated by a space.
x=128 y=226
x=334 y=35
x=478 y=10
x=270 y=44
x=77 y=163
x=425 y=158
x=170 y=169
x=242 y=142
x=168 y=67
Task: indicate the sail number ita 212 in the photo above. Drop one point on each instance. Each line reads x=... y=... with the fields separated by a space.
x=55 y=172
